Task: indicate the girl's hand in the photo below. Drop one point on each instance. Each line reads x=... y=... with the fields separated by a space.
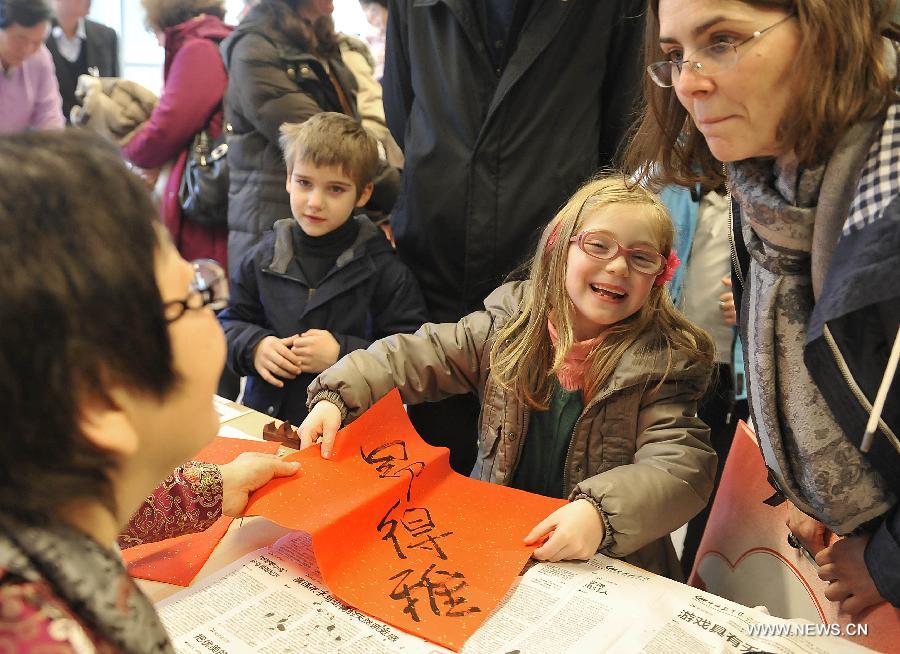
x=322 y=422
x=575 y=532
x=248 y=472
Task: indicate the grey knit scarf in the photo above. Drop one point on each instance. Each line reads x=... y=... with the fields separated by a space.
x=818 y=468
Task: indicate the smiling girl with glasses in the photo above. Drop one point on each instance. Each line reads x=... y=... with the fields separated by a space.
x=588 y=377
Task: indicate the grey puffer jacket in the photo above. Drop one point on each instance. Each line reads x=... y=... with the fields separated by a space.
x=640 y=453
x=270 y=82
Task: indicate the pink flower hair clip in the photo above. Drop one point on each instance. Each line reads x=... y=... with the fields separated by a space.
x=672 y=263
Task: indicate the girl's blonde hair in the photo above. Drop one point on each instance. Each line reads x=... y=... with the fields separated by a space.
x=523 y=359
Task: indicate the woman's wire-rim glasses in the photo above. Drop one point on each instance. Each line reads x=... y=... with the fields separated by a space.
x=602 y=246
x=208 y=288
x=709 y=61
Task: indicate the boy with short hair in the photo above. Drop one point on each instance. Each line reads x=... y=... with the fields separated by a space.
x=323 y=283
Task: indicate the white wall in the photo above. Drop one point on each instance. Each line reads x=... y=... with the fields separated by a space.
x=141 y=57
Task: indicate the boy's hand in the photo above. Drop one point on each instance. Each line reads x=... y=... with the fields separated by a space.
x=273 y=356
x=316 y=350
x=248 y=472
x=322 y=422
x=575 y=532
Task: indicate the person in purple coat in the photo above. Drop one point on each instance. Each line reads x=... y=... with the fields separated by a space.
x=194 y=84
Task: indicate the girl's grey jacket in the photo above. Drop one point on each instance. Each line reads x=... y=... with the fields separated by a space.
x=640 y=453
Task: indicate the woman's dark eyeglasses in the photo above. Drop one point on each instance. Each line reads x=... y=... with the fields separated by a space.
x=208 y=288
x=601 y=245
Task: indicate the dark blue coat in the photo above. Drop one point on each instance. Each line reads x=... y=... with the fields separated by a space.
x=367 y=295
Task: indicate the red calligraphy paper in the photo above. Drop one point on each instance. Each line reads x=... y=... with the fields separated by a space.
x=178 y=560
x=400 y=536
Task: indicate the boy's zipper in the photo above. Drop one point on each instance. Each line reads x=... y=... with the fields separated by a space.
x=855 y=389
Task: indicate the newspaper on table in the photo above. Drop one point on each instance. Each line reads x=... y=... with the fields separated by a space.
x=605 y=605
x=273 y=600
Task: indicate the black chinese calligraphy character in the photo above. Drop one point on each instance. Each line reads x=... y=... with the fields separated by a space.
x=441 y=588
x=384 y=457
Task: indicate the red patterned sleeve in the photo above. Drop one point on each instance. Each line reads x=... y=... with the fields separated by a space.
x=188 y=501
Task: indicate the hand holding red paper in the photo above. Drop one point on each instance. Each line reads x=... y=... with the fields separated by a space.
x=322 y=422
x=575 y=532
x=247 y=473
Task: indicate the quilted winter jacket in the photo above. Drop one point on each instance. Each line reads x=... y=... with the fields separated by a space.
x=270 y=82
x=640 y=453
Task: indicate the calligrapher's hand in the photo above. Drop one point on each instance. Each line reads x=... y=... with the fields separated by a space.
x=575 y=532
x=316 y=349
x=248 y=472
x=811 y=533
x=273 y=356
x=849 y=583
x=726 y=304
x=323 y=422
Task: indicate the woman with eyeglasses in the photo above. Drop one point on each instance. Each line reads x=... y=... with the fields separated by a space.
x=798 y=99
x=109 y=358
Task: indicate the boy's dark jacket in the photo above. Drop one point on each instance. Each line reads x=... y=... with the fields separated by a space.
x=367 y=295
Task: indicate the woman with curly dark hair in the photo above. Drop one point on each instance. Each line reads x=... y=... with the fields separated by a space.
x=195 y=81
x=284 y=66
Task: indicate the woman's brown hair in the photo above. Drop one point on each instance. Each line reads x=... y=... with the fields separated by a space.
x=523 y=358
x=316 y=37
x=845 y=79
x=160 y=15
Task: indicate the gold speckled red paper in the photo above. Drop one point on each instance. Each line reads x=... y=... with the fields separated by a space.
x=178 y=560
x=400 y=536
